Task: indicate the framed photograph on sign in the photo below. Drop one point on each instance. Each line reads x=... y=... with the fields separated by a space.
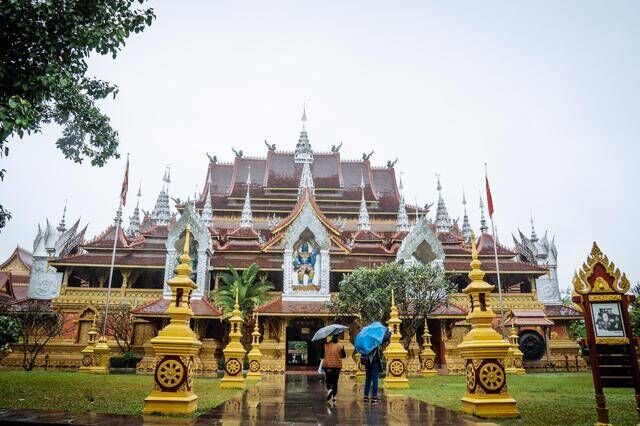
x=607 y=319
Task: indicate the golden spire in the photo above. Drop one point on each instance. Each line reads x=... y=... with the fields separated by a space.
x=236 y=307
x=184 y=268
x=256 y=329
x=476 y=274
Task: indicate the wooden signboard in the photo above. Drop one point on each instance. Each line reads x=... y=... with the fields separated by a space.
x=602 y=292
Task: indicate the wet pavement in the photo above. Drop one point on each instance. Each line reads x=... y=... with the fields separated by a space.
x=294 y=399
x=300 y=399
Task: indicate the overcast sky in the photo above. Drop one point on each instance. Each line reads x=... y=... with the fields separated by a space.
x=546 y=92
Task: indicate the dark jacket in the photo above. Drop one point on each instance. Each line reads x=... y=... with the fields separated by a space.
x=372 y=359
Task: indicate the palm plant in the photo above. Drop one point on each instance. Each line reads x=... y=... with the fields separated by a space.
x=252 y=291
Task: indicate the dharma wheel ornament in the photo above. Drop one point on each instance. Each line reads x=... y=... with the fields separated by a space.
x=427 y=356
x=395 y=353
x=484 y=351
x=514 y=357
x=234 y=352
x=88 y=357
x=175 y=348
x=254 y=355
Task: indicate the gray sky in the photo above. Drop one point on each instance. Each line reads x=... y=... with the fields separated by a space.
x=546 y=92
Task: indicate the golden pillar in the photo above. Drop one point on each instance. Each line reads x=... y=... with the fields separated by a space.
x=514 y=363
x=101 y=355
x=395 y=353
x=348 y=364
x=254 y=355
x=87 y=353
x=427 y=356
x=484 y=351
x=175 y=348
x=234 y=352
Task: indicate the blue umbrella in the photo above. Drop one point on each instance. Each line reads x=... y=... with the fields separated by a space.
x=370 y=337
x=327 y=331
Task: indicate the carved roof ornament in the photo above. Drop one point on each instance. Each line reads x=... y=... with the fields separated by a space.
x=336 y=148
x=534 y=236
x=246 y=220
x=443 y=221
x=161 y=213
x=466 y=226
x=207 y=210
x=306 y=180
x=270 y=147
x=363 y=217
x=238 y=153
x=212 y=158
x=483 y=221
x=391 y=164
x=599 y=275
x=304 y=152
x=402 y=224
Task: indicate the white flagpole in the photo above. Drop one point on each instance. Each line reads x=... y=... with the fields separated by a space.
x=495 y=255
x=113 y=259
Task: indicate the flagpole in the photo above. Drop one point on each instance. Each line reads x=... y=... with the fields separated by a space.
x=495 y=255
x=121 y=201
x=113 y=259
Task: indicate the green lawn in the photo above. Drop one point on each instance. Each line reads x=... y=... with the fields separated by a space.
x=81 y=392
x=543 y=399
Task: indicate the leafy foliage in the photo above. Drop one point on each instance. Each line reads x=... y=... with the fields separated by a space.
x=9 y=331
x=38 y=322
x=419 y=290
x=635 y=311
x=576 y=329
x=43 y=66
x=252 y=290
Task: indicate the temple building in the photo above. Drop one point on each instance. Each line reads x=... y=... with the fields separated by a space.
x=306 y=218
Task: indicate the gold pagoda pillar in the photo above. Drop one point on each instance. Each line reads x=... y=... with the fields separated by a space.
x=349 y=366
x=88 y=358
x=175 y=348
x=484 y=351
x=101 y=355
x=514 y=363
x=234 y=352
x=255 y=355
x=361 y=371
x=395 y=353
x=427 y=356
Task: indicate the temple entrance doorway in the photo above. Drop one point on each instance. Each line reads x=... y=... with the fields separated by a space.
x=302 y=353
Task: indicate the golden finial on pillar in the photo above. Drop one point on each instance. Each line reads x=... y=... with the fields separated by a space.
x=427 y=356
x=395 y=353
x=514 y=363
x=88 y=358
x=255 y=355
x=234 y=352
x=175 y=347
x=484 y=351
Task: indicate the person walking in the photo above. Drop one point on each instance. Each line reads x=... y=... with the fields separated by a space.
x=372 y=365
x=332 y=364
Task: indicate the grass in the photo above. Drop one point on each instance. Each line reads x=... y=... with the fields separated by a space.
x=543 y=399
x=84 y=392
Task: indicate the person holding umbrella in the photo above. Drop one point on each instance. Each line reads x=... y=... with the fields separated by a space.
x=368 y=343
x=332 y=357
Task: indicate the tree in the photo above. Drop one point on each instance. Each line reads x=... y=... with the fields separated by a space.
x=39 y=322
x=43 y=67
x=9 y=332
x=120 y=326
x=251 y=292
x=419 y=290
x=635 y=311
x=577 y=329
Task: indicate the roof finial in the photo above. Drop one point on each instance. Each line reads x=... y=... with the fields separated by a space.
x=134 y=219
x=162 y=212
x=304 y=116
x=483 y=221
x=62 y=227
x=207 y=210
x=363 y=218
x=534 y=236
x=304 y=152
x=443 y=222
x=402 y=223
x=466 y=226
x=246 y=220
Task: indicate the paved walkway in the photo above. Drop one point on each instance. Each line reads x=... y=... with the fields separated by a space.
x=277 y=400
x=300 y=399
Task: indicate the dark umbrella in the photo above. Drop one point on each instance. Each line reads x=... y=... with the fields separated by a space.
x=329 y=330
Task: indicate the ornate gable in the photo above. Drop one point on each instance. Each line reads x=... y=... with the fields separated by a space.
x=421 y=245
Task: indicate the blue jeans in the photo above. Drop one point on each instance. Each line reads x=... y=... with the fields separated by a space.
x=371 y=380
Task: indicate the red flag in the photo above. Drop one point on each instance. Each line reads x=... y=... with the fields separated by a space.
x=125 y=184
x=489 y=199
